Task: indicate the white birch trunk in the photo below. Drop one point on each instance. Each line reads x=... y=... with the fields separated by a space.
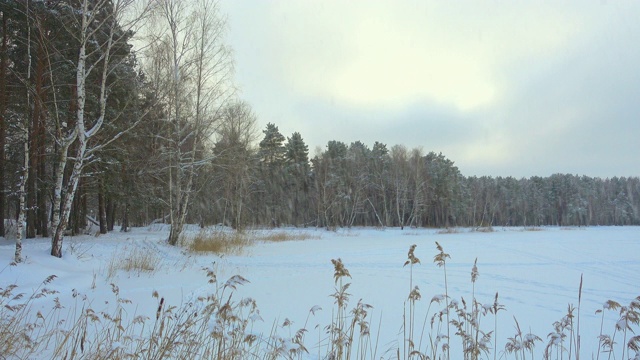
x=61 y=225
x=23 y=196
x=59 y=176
x=17 y=258
x=82 y=135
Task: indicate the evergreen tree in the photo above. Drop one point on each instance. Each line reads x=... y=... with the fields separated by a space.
x=297 y=152
x=272 y=157
x=272 y=150
x=297 y=175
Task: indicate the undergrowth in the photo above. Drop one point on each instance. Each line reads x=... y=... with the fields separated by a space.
x=219 y=325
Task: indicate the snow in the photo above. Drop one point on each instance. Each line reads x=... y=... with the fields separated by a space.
x=536 y=274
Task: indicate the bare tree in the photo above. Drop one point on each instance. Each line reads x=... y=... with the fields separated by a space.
x=192 y=52
x=400 y=182
x=234 y=162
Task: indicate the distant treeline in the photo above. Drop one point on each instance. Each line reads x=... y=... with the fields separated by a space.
x=354 y=185
x=276 y=184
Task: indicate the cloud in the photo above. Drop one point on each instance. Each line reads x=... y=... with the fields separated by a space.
x=392 y=54
x=501 y=88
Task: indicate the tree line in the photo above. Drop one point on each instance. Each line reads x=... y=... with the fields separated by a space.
x=95 y=130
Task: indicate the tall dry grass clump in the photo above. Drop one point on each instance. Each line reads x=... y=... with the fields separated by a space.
x=414 y=296
x=449 y=230
x=532 y=228
x=440 y=260
x=22 y=333
x=280 y=236
x=349 y=331
x=133 y=259
x=209 y=326
x=218 y=241
x=484 y=229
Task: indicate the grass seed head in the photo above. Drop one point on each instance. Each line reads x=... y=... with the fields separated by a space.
x=414 y=295
x=411 y=257
x=339 y=269
x=474 y=271
x=441 y=258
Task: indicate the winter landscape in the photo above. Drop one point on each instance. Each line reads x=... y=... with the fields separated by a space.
x=537 y=273
x=222 y=179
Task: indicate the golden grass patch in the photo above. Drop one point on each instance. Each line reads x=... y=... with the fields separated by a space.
x=278 y=236
x=133 y=259
x=485 y=229
x=448 y=231
x=532 y=228
x=219 y=242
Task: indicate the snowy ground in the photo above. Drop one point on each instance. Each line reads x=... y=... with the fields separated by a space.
x=537 y=274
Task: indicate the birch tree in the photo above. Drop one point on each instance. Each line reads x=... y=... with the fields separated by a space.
x=192 y=52
x=97 y=27
x=233 y=166
x=24 y=176
x=4 y=69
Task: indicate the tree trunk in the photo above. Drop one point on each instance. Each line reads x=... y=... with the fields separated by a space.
x=40 y=143
x=42 y=216
x=22 y=195
x=35 y=139
x=56 y=241
x=125 y=218
x=74 y=178
x=111 y=212
x=3 y=109
x=25 y=165
x=31 y=183
x=102 y=209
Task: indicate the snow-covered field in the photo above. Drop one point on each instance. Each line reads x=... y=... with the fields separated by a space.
x=536 y=273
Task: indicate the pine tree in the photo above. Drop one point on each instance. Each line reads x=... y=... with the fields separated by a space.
x=297 y=152
x=272 y=150
x=272 y=156
x=297 y=174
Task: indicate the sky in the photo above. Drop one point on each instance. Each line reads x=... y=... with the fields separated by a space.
x=502 y=88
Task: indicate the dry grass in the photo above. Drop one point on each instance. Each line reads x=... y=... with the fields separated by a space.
x=572 y=228
x=219 y=242
x=485 y=229
x=133 y=260
x=213 y=326
x=23 y=333
x=279 y=236
x=532 y=228
x=348 y=233
x=448 y=231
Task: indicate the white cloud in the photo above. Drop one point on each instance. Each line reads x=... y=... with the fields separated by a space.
x=393 y=54
x=501 y=87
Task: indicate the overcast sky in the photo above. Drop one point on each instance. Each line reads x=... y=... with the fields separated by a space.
x=502 y=88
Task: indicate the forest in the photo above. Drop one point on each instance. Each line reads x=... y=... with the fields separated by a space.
x=124 y=113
